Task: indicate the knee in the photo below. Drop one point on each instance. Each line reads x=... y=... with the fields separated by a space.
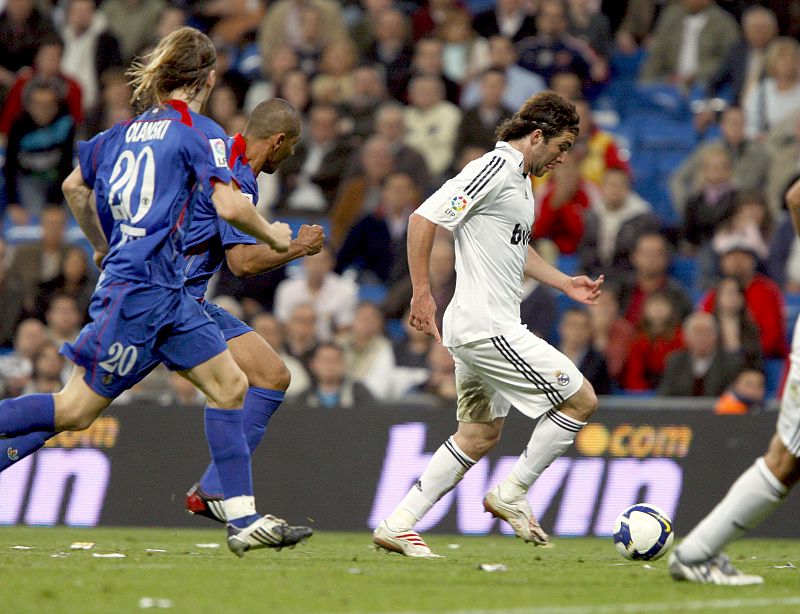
x=477 y=445
x=274 y=377
x=75 y=417
x=782 y=463
x=582 y=404
x=228 y=392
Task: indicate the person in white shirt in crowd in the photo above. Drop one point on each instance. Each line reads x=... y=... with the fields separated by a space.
x=368 y=352
x=333 y=297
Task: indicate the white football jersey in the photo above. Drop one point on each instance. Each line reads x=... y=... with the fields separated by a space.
x=489 y=208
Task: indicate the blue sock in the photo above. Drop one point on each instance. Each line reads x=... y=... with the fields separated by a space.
x=230 y=454
x=17 y=448
x=28 y=414
x=259 y=405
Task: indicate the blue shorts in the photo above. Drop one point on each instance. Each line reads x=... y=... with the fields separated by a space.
x=229 y=325
x=134 y=327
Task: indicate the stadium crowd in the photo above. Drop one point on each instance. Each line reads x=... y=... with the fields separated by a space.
x=690 y=134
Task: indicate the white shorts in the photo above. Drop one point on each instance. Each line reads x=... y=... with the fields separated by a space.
x=517 y=368
x=789 y=417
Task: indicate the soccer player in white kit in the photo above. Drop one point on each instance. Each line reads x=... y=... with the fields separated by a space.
x=489 y=208
x=758 y=491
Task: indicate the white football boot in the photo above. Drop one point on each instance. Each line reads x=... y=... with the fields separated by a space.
x=407 y=543
x=517 y=514
x=266 y=532
x=716 y=570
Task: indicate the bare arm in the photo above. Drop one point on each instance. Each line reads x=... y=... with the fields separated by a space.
x=80 y=199
x=421 y=232
x=793 y=204
x=580 y=288
x=246 y=260
x=240 y=213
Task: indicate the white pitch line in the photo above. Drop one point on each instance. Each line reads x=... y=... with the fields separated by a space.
x=633 y=608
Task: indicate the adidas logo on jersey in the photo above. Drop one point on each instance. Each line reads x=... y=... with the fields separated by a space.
x=520 y=235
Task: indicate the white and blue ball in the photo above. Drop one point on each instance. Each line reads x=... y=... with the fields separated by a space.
x=643 y=532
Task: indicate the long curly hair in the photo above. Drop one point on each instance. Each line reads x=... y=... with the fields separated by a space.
x=545 y=111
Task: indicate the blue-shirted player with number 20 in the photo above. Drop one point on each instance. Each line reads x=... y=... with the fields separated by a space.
x=148 y=172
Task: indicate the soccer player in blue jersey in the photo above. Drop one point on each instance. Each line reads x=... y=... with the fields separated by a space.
x=148 y=171
x=269 y=138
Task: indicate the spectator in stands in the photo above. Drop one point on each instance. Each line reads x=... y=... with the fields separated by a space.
x=281 y=60
x=589 y=24
x=690 y=43
x=659 y=336
x=334 y=83
x=774 y=98
x=508 y=18
x=651 y=263
x=363 y=30
x=332 y=387
x=39 y=153
x=11 y=304
x=442 y=277
x=703 y=368
x=714 y=200
x=393 y=49
x=301 y=333
x=746 y=394
x=23 y=29
x=465 y=53
x=376 y=245
x=538 y=310
x=75 y=279
x=311 y=176
x=284 y=20
x=431 y=123
x=562 y=203
x=114 y=106
x=16 y=366
x=613 y=224
x=368 y=352
x=479 y=123
x=369 y=93
x=441 y=382
x=470 y=153
x=390 y=123
x=39 y=262
x=361 y=195
x=633 y=21
x=552 y=49
x=428 y=61
x=612 y=334
x=295 y=89
x=46 y=69
x=751 y=162
x=333 y=297
x=411 y=350
x=223 y=106
x=762 y=296
x=266 y=325
x=520 y=82
x=48 y=366
x=783 y=148
x=89 y=49
x=63 y=319
x=602 y=152
x=575 y=342
x=745 y=64
x=567 y=85
x=430 y=16
x=738 y=333
x=133 y=22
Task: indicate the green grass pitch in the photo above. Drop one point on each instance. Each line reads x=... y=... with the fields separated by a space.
x=340 y=572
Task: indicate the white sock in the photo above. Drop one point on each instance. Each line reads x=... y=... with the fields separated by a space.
x=752 y=498
x=552 y=436
x=239 y=507
x=447 y=467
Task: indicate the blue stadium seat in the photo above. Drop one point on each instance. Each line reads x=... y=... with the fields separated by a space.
x=395 y=330
x=568 y=263
x=372 y=292
x=684 y=269
x=773 y=371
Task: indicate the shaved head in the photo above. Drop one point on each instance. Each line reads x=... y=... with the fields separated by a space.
x=273 y=117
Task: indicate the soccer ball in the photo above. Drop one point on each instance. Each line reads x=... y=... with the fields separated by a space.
x=643 y=532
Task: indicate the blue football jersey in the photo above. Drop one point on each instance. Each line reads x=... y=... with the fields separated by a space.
x=208 y=235
x=146 y=175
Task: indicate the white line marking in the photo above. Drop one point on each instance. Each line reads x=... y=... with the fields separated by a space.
x=710 y=604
